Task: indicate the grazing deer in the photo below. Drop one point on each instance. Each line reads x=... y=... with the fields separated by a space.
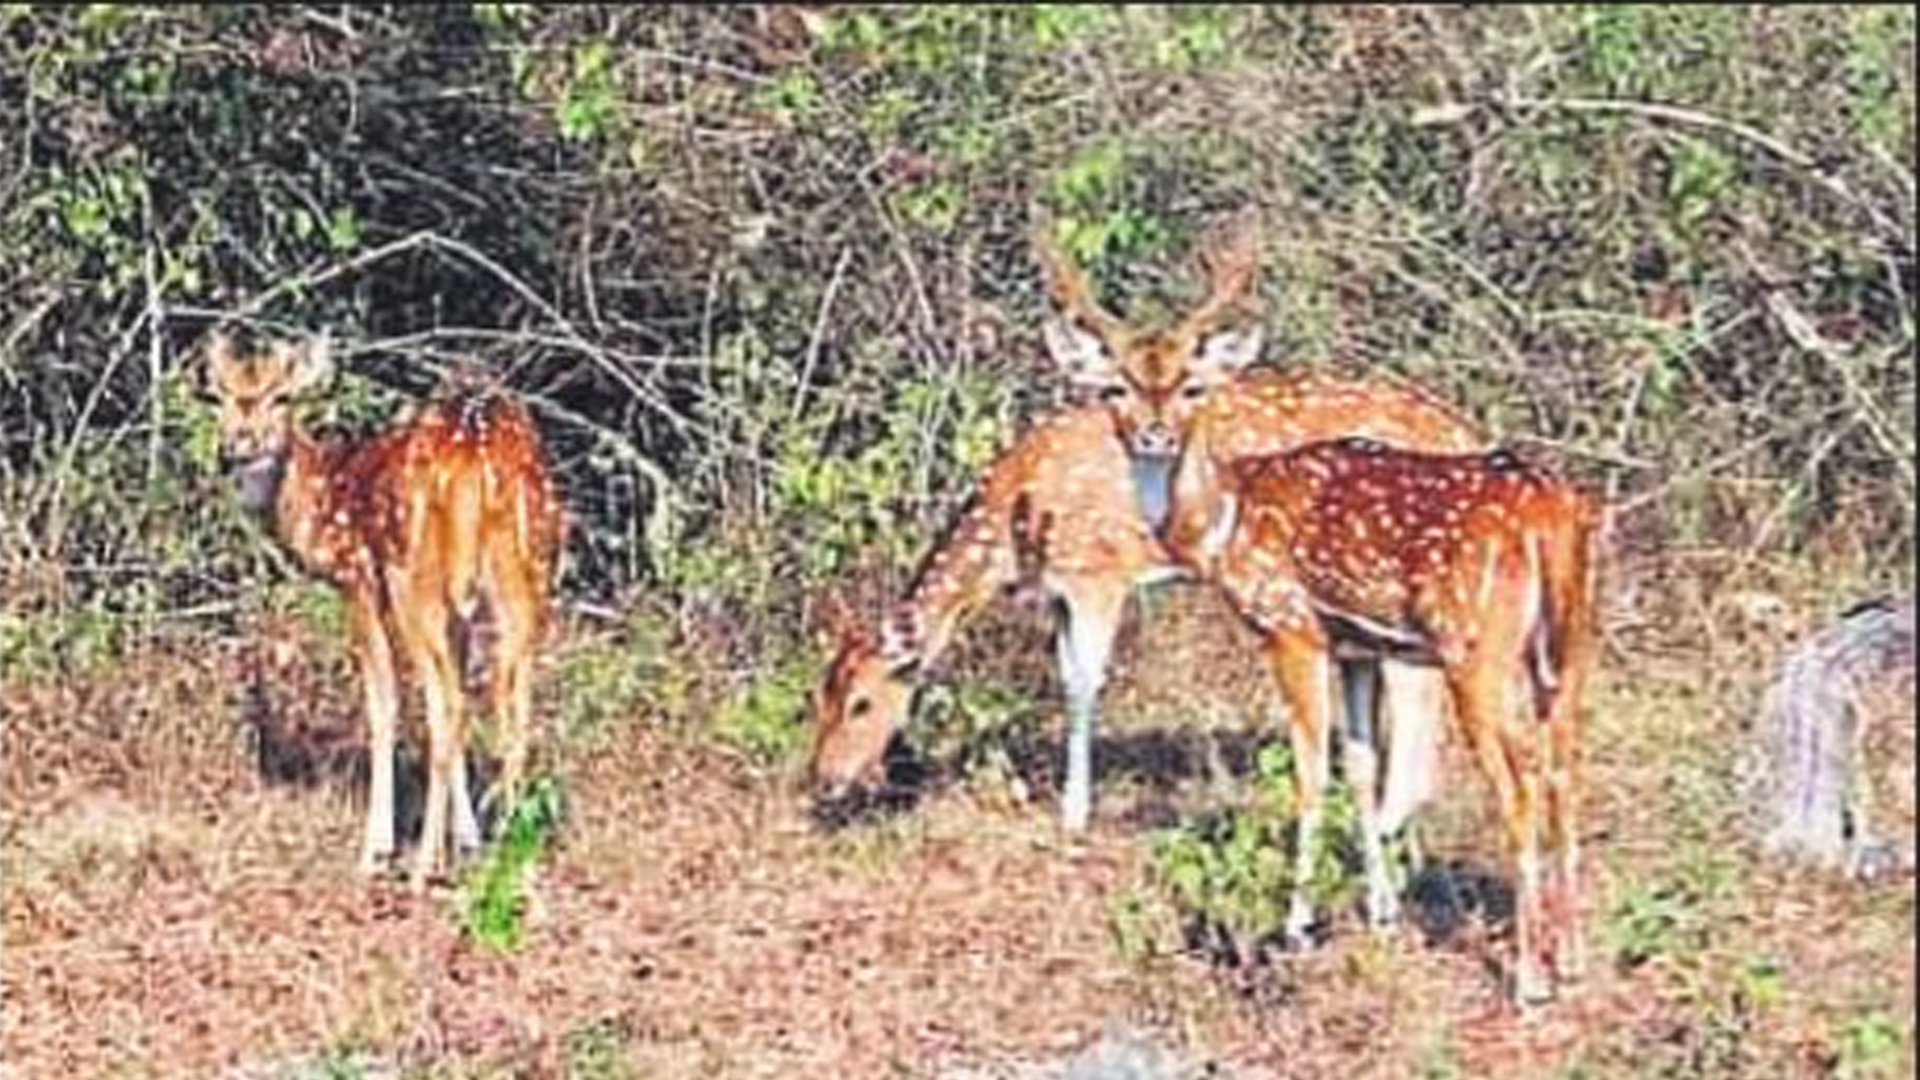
x=1480 y=564
x=1162 y=387
x=1071 y=480
x=422 y=526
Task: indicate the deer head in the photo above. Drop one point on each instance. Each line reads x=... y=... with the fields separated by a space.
x=255 y=394
x=864 y=698
x=1154 y=380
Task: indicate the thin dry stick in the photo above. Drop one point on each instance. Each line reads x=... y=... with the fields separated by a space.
x=1722 y=461
x=156 y=343
x=819 y=334
x=1802 y=332
x=56 y=499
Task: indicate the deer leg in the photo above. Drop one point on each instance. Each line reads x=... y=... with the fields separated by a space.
x=423 y=624
x=1084 y=643
x=1482 y=707
x=1303 y=666
x=466 y=827
x=1415 y=717
x=1415 y=704
x=1361 y=758
x=1566 y=648
x=518 y=601
x=382 y=689
x=1563 y=795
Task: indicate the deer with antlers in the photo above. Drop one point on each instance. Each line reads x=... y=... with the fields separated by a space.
x=1446 y=553
x=1070 y=510
x=1159 y=387
x=448 y=517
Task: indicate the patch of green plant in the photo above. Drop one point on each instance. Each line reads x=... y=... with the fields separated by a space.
x=766 y=721
x=595 y=1051
x=1870 y=1047
x=608 y=681
x=981 y=728
x=1231 y=875
x=84 y=640
x=346 y=1059
x=1140 y=923
x=1655 y=920
x=493 y=894
x=1200 y=35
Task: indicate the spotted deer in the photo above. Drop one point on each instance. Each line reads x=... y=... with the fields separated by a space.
x=1162 y=387
x=1480 y=564
x=1071 y=479
x=446 y=517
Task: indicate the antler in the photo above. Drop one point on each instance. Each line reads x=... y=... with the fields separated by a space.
x=836 y=622
x=1066 y=284
x=220 y=358
x=1232 y=258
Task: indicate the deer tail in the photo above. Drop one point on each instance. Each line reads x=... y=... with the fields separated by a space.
x=1565 y=565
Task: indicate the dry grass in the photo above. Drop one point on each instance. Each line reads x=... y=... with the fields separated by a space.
x=172 y=909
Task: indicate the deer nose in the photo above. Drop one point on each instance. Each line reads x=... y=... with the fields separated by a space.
x=1154 y=440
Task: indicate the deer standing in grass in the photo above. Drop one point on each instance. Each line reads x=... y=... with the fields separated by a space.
x=1162 y=388
x=1479 y=564
x=1069 y=509
x=1437 y=552
x=447 y=516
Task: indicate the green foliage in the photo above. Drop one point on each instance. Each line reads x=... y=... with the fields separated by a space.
x=774 y=301
x=1131 y=922
x=1669 y=918
x=602 y=684
x=1870 y=1046
x=766 y=720
x=493 y=896
x=345 y=1060
x=595 y=1052
x=1231 y=877
x=42 y=644
x=983 y=730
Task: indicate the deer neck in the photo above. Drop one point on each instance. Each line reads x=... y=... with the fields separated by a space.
x=302 y=501
x=1202 y=509
x=963 y=574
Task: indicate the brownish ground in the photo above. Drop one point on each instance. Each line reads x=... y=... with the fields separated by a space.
x=172 y=909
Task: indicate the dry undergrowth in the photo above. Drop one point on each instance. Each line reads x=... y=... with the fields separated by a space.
x=175 y=908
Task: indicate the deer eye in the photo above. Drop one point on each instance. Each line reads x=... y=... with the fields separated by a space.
x=1192 y=390
x=1113 y=392
x=860 y=708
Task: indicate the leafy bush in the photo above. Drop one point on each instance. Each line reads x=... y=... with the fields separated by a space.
x=766 y=721
x=493 y=897
x=1231 y=876
x=766 y=279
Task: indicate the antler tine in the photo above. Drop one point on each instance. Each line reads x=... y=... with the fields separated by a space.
x=1232 y=259
x=1066 y=283
x=220 y=353
x=835 y=619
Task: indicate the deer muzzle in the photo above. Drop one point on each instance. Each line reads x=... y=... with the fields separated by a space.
x=1155 y=440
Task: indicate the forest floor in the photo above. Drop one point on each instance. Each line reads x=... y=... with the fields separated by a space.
x=172 y=908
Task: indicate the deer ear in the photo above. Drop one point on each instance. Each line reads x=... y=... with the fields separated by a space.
x=900 y=646
x=220 y=364
x=312 y=363
x=1225 y=352
x=1079 y=353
